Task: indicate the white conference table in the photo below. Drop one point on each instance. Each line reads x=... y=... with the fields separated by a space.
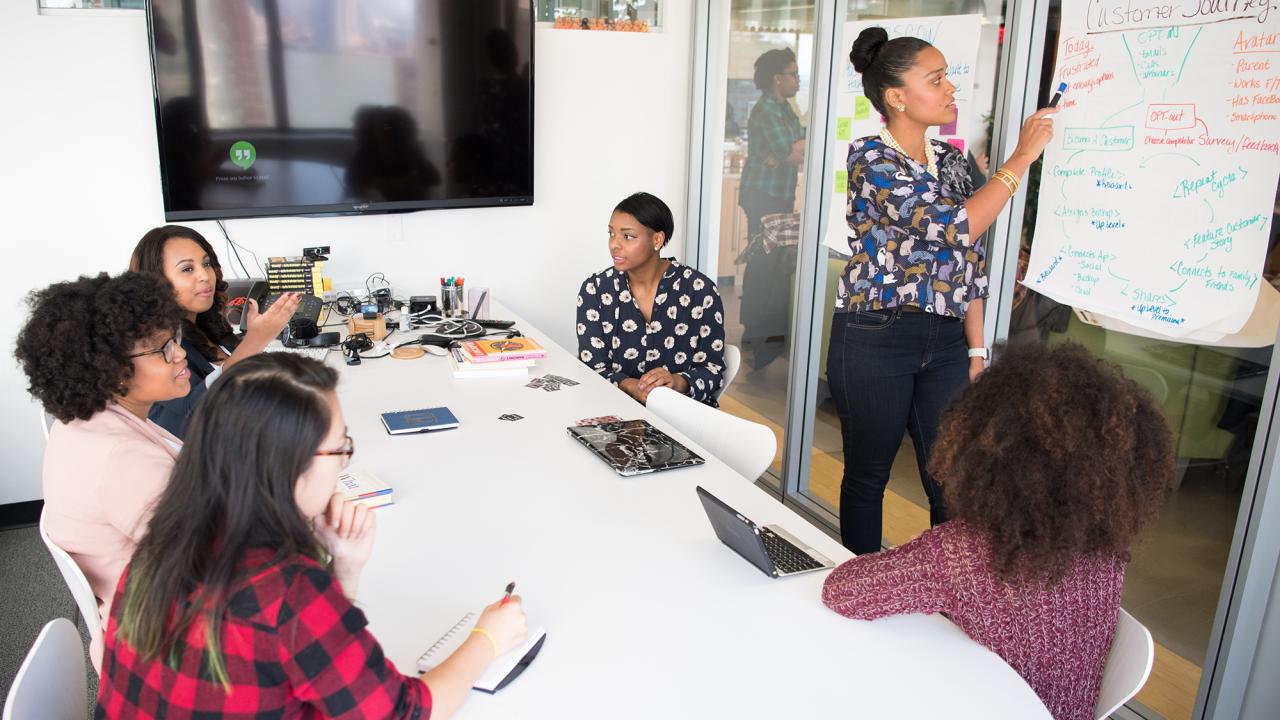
x=647 y=613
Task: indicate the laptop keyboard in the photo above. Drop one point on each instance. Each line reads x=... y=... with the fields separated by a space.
x=787 y=557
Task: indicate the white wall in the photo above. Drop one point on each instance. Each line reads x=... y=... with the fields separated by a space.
x=80 y=180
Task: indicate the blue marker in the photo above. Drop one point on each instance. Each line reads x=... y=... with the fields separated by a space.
x=1062 y=87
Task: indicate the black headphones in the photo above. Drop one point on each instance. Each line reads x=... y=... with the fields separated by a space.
x=303 y=332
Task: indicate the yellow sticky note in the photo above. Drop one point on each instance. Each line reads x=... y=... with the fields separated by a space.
x=861 y=109
x=842 y=182
x=844 y=128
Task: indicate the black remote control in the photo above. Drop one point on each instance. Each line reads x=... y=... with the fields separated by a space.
x=495 y=324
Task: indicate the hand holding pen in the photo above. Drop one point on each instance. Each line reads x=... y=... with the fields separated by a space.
x=504 y=623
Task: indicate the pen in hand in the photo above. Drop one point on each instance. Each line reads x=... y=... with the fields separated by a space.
x=1062 y=87
x=507 y=598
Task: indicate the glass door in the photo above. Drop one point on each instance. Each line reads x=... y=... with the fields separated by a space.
x=763 y=76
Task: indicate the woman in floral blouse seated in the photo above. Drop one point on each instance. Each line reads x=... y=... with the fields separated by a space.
x=1052 y=465
x=649 y=321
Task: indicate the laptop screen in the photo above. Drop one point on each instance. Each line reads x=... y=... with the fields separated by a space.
x=736 y=531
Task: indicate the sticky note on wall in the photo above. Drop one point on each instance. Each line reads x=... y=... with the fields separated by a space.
x=842 y=182
x=844 y=128
x=861 y=108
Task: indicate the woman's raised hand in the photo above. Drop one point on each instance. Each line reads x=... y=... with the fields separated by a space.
x=1036 y=133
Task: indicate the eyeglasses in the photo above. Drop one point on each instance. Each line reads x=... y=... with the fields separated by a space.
x=169 y=349
x=793 y=73
x=347 y=450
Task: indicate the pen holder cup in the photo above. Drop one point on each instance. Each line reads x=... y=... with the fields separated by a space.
x=451 y=305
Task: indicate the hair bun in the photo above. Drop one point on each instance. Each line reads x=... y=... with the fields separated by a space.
x=867 y=46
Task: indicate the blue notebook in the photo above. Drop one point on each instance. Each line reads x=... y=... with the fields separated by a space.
x=416 y=421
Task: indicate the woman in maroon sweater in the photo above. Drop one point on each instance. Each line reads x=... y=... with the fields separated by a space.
x=1051 y=465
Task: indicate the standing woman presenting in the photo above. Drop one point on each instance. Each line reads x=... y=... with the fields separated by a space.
x=907 y=334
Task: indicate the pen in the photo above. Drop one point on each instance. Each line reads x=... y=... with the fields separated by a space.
x=1062 y=87
x=507 y=598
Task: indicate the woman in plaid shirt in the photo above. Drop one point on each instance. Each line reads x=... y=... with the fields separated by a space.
x=775 y=140
x=775 y=150
x=228 y=608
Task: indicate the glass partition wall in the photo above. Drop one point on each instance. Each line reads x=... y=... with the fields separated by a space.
x=765 y=68
x=777 y=269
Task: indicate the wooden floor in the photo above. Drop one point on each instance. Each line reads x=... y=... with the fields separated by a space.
x=1171 y=689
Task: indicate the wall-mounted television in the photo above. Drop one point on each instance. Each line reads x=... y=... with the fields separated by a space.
x=300 y=107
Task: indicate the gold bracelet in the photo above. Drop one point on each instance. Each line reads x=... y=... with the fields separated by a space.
x=1009 y=177
x=1012 y=190
x=492 y=642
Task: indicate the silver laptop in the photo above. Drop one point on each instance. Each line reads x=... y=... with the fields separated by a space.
x=775 y=551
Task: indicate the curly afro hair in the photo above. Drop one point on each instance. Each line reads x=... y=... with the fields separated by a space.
x=1053 y=455
x=76 y=344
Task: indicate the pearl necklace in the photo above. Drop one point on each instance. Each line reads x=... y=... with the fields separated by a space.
x=931 y=160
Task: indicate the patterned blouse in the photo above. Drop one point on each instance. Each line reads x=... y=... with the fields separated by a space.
x=1056 y=637
x=910 y=233
x=686 y=334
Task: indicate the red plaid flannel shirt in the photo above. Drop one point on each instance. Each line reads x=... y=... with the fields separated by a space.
x=293 y=646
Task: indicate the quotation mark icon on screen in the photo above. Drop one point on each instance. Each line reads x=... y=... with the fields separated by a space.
x=243 y=154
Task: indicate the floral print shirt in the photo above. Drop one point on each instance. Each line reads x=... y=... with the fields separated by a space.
x=685 y=335
x=910 y=233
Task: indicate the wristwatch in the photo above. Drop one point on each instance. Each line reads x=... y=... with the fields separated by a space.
x=980 y=352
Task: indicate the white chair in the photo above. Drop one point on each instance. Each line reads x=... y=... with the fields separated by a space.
x=46 y=421
x=78 y=584
x=745 y=446
x=51 y=683
x=732 y=361
x=1128 y=665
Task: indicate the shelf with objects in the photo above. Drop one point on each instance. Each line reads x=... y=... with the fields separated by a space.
x=609 y=15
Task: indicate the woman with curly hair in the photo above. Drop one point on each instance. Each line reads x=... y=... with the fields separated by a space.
x=98 y=353
x=1051 y=466
x=183 y=258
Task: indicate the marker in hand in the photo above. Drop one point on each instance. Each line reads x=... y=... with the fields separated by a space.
x=511 y=586
x=1062 y=87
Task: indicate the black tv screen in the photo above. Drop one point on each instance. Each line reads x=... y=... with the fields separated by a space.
x=285 y=107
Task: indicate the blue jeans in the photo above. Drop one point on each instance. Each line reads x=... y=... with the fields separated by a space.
x=889 y=371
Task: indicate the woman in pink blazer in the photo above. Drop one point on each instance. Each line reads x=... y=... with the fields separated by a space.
x=98 y=352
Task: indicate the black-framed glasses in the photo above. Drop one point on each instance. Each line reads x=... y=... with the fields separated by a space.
x=169 y=349
x=346 y=451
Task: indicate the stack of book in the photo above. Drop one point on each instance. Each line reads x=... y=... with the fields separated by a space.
x=499 y=357
x=295 y=274
x=365 y=488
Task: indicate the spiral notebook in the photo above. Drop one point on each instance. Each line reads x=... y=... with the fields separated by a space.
x=501 y=671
